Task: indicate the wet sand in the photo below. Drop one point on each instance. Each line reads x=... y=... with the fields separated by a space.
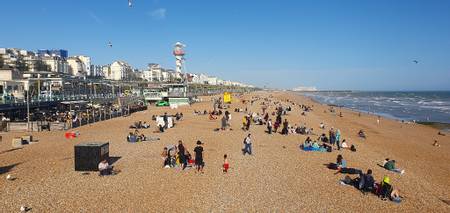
x=279 y=177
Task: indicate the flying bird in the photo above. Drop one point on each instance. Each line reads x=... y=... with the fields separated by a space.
x=109 y=44
x=130 y=4
x=416 y=61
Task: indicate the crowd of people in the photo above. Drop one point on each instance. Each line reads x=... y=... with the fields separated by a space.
x=178 y=156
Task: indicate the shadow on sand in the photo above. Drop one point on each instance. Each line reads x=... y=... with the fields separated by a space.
x=113 y=159
x=6 y=169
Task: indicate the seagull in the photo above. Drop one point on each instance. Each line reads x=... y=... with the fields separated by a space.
x=416 y=61
x=109 y=44
x=130 y=4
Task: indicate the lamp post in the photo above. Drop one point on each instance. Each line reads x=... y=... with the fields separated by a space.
x=28 y=108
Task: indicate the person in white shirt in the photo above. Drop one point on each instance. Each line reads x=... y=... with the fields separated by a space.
x=269 y=126
x=247 y=145
x=104 y=168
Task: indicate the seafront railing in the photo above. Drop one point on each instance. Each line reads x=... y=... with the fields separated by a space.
x=83 y=118
x=52 y=98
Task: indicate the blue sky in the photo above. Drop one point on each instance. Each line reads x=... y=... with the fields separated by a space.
x=330 y=44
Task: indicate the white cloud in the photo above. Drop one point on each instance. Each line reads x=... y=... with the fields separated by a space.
x=158 y=13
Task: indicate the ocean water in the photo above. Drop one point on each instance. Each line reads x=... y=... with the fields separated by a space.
x=408 y=106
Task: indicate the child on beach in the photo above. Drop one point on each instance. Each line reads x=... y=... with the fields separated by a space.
x=199 y=157
x=226 y=165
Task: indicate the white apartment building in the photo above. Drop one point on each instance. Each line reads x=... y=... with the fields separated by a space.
x=56 y=64
x=76 y=66
x=212 y=80
x=86 y=60
x=119 y=70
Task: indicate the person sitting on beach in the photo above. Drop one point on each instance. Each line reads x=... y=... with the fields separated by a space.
x=340 y=162
x=436 y=143
x=344 y=144
x=322 y=126
x=390 y=165
x=323 y=138
x=132 y=138
x=361 y=134
x=145 y=125
x=309 y=131
x=386 y=191
x=104 y=168
x=308 y=142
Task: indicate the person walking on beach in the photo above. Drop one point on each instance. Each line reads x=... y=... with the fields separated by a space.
x=338 y=139
x=199 y=164
x=166 y=121
x=269 y=126
x=226 y=165
x=181 y=154
x=247 y=124
x=247 y=145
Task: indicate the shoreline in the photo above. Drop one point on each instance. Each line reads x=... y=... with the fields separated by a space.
x=443 y=126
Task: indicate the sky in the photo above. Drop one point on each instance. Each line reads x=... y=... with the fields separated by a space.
x=329 y=44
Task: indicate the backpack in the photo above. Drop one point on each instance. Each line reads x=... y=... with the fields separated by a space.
x=353 y=148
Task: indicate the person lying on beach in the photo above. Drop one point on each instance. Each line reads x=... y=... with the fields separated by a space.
x=212 y=117
x=441 y=134
x=366 y=182
x=390 y=165
x=145 y=125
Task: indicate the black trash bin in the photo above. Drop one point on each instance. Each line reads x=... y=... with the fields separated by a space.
x=89 y=155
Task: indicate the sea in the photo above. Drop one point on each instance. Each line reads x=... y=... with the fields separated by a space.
x=407 y=106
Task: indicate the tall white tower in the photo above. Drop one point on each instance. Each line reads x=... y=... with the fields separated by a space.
x=178 y=52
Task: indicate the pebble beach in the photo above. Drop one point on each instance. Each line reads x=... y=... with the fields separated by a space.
x=278 y=177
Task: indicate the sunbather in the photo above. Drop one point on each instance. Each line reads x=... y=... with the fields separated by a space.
x=390 y=165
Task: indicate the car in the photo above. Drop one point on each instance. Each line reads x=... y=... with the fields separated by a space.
x=162 y=103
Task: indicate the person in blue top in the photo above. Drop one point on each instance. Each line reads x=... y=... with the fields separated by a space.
x=340 y=162
x=338 y=139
